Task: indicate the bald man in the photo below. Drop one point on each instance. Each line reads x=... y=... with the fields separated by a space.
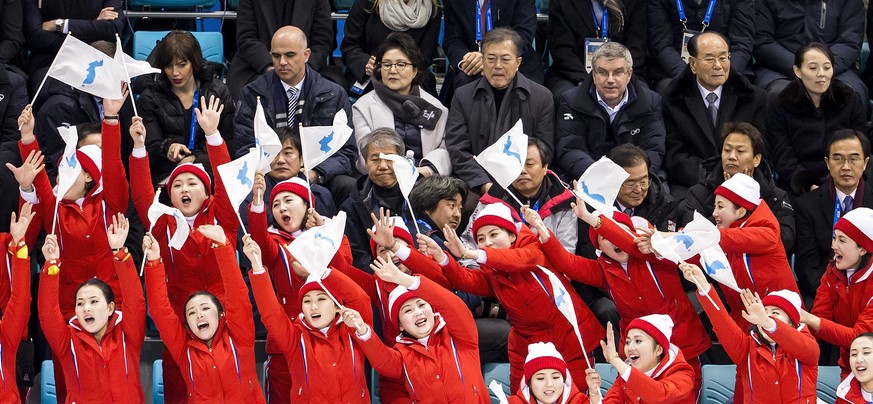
x=295 y=95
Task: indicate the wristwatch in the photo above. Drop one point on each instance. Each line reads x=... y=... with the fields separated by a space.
x=59 y=25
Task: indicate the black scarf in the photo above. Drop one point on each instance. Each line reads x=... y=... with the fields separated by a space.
x=410 y=108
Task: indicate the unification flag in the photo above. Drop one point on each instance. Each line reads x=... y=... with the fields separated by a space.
x=87 y=69
x=504 y=160
x=158 y=209
x=599 y=185
x=132 y=67
x=697 y=236
x=315 y=248
x=266 y=140
x=69 y=167
x=715 y=263
x=238 y=177
x=564 y=304
x=405 y=172
x=320 y=142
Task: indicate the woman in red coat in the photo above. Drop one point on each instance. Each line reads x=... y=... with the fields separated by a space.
x=842 y=307
x=325 y=365
x=546 y=379
x=215 y=342
x=99 y=348
x=655 y=371
x=437 y=350
x=778 y=359
x=857 y=387
x=17 y=310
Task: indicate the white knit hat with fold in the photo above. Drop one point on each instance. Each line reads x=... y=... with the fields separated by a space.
x=741 y=190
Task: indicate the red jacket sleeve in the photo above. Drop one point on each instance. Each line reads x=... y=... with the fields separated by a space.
x=237 y=306
x=387 y=361
x=423 y=265
x=115 y=192
x=344 y=252
x=726 y=328
x=669 y=389
x=841 y=335
x=225 y=214
x=349 y=294
x=458 y=318
x=758 y=236
x=133 y=306
x=824 y=296
x=621 y=238
x=272 y=314
x=18 y=309
x=142 y=190
x=52 y=322
x=168 y=323
x=258 y=229
x=468 y=280
x=365 y=281
x=521 y=259
x=579 y=269
x=799 y=344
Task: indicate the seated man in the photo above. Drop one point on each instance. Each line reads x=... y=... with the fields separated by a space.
x=293 y=95
x=609 y=108
x=847 y=155
x=692 y=121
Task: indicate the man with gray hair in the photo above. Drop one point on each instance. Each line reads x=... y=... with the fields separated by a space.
x=609 y=108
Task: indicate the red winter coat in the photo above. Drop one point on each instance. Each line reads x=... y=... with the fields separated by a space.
x=324 y=368
x=447 y=369
x=571 y=395
x=14 y=322
x=81 y=230
x=647 y=286
x=526 y=293
x=757 y=258
x=672 y=382
x=767 y=375
x=225 y=371
x=104 y=372
x=849 y=391
x=185 y=267
x=845 y=308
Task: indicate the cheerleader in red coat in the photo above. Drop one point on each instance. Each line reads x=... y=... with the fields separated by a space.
x=437 y=350
x=652 y=373
x=778 y=359
x=857 y=387
x=289 y=203
x=842 y=307
x=99 y=348
x=17 y=311
x=192 y=268
x=546 y=379
x=325 y=365
x=215 y=342
x=509 y=257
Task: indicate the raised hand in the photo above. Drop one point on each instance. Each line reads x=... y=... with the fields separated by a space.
x=213 y=232
x=754 y=312
x=137 y=132
x=18 y=226
x=384 y=235
x=208 y=115
x=453 y=242
x=610 y=352
x=111 y=107
x=582 y=212
x=117 y=231
x=313 y=218
x=28 y=171
x=150 y=247
x=253 y=251
x=352 y=319
x=258 y=188
x=694 y=274
x=644 y=241
x=388 y=272
x=534 y=220
x=431 y=248
x=50 y=248
x=25 y=124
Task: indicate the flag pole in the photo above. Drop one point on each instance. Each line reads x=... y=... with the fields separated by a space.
x=335 y=301
x=55 y=217
x=412 y=213
x=241 y=224
x=308 y=184
x=145 y=256
x=126 y=73
x=47 y=73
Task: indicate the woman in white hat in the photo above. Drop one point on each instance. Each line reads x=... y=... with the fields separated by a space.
x=546 y=379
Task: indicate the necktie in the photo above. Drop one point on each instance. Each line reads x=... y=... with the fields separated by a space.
x=292 y=105
x=629 y=212
x=847 y=204
x=711 y=98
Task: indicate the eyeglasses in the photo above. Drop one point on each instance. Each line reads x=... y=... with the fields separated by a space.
x=399 y=65
x=840 y=160
x=616 y=74
x=710 y=60
x=631 y=185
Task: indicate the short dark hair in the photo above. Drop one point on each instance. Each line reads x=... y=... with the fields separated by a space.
x=404 y=43
x=104 y=46
x=429 y=191
x=628 y=155
x=83 y=130
x=847 y=134
x=104 y=287
x=290 y=135
x=743 y=128
x=801 y=53
x=382 y=137
x=692 y=43
x=180 y=45
x=544 y=149
x=503 y=34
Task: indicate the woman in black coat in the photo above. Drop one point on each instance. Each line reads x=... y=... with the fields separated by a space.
x=806 y=112
x=371 y=21
x=167 y=106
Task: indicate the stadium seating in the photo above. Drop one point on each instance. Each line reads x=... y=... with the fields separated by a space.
x=374 y=387
x=171 y=4
x=718 y=383
x=828 y=380
x=607 y=375
x=47 y=392
x=158 y=382
x=499 y=372
x=211 y=43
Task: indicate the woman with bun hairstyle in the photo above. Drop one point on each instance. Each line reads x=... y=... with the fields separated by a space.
x=546 y=379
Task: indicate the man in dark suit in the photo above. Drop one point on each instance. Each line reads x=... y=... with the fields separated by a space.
x=848 y=152
x=692 y=121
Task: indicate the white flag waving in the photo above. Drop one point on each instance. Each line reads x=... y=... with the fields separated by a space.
x=133 y=67
x=599 y=185
x=69 y=167
x=87 y=69
x=406 y=173
x=238 y=177
x=504 y=159
x=158 y=209
x=697 y=236
x=717 y=266
x=315 y=248
x=564 y=303
x=266 y=140
x=320 y=142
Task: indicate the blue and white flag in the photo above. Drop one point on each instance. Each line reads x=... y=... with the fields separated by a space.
x=133 y=67
x=268 y=143
x=405 y=172
x=715 y=263
x=697 y=236
x=562 y=300
x=504 y=160
x=320 y=142
x=238 y=176
x=158 y=209
x=315 y=248
x=87 y=69
x=69 y=167
x=599 y=185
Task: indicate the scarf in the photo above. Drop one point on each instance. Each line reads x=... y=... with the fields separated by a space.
x=410 y=108
x=399 y=15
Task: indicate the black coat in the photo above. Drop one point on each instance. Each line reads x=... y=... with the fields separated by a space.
x=815 y=223
x=358 y=208
x=257 y=21
x=167 y=122
x=701 y=197
x=797 y=131
x=11 y=30
x=584 y=134
x=571 y=21
x=690 y=137
x=734 y=19
x=14 y=97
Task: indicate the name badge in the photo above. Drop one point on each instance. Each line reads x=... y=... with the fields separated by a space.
x=686 y=36
x=591 y=46
x=358 y=87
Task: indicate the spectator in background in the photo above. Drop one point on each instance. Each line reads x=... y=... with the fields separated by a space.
x=13 y=89
x=734 y=19
x=692 y=121
x=11 y=30
x=609 y=108
x=846 y=155
x=258 y=20
x=742 y=151
x=371 y=22
x=810 y=108
x=47 y=22
x=167 y=106
x=400 y=102
x=314 y=101
x=572 y=23
x=783 y=28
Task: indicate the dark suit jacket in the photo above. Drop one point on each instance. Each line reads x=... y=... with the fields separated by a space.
x=690 y=137
x=815 y=221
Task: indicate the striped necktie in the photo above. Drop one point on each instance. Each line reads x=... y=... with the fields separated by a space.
x=293 y=95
